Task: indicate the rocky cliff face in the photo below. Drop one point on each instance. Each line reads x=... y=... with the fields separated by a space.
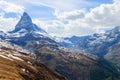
x=113 y=54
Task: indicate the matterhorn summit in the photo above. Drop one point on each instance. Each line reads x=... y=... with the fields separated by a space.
x=25 y=26
x=26 y=32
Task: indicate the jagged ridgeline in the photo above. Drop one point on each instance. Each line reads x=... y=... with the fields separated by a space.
x=97 y=44
x=70 y=64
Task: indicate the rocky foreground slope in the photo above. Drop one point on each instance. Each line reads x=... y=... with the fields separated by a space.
x=16 y=66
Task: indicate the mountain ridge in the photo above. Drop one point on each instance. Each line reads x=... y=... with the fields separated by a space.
x=97 y=44
x=27 y=24
x=73 y=65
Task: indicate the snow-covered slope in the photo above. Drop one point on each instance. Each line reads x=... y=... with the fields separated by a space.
x=25 y=26
x=9 y=46
x=97 y=44
x=26 y=32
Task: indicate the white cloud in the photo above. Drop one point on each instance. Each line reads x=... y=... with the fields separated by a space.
x=5 y=8
x=116 y=0
x=54 y=27
x=41 y=24
x=80 y=22
x=10 y=7
x=61 y=29
x=106 y=15
x=7 y=23
x=71 y=15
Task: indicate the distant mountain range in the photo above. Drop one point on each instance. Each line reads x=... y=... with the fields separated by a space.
x=70 y=64
x=97 y=44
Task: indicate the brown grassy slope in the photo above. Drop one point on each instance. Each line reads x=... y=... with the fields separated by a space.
x=19 y=67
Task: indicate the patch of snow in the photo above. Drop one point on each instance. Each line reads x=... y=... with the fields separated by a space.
x=23 y=69
x=60 y=39
x=9 y=56
x=2 y=33
x=29 y=62
x=14 y=57
x=66 y=41
x=20 y=33
x=5 y=57
x=13 y=47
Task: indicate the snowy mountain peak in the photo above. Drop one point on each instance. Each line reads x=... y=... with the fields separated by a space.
x=25 y=23
x=26 y=27
x=25 y=15
x=117 y=27
x=115 y=30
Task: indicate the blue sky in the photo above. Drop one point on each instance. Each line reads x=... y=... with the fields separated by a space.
x=62 y=17
x=44 y=9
